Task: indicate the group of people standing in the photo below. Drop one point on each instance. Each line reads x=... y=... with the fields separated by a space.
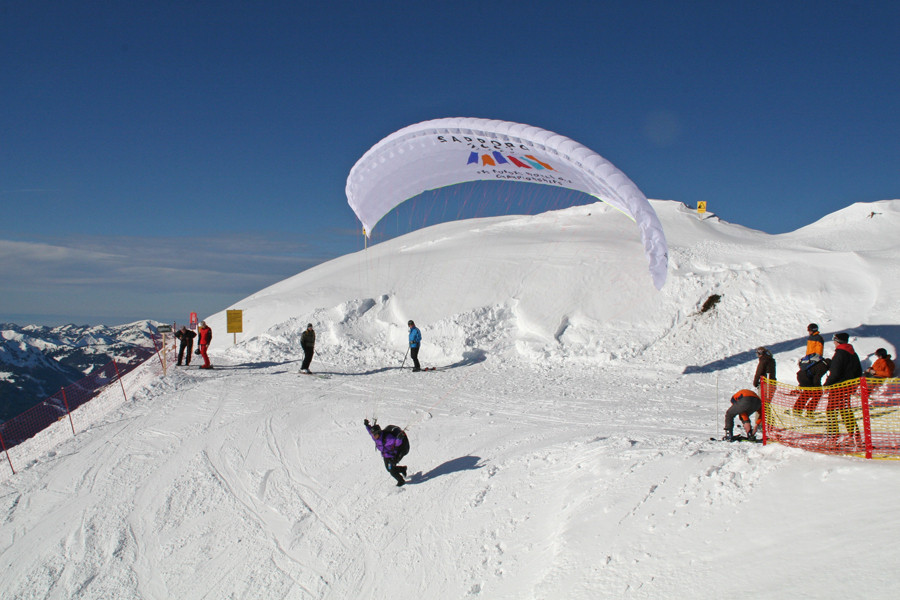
x=308 y=345
x=843 y=366
x=186 y=337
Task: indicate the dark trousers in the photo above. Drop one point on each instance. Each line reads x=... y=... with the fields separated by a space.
x=839 y=407
x=414 y=355
x=181 y=352
x=746 y=405
x=393 y=464
x=307 y=357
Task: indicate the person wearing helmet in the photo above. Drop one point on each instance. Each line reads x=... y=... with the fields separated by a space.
x=743 y=404
x=308 y=344
x=765 y=367
x=415 y=341
x=815 y=343
x=393 y=444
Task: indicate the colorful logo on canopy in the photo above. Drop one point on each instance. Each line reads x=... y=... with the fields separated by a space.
x=496 y=158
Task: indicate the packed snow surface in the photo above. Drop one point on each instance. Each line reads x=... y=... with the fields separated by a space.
x=560 y=449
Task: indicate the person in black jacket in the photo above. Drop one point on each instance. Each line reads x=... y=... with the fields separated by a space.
x=308 y=343
x=186 y=337
x=764 y=368
x=812 y=368
x=845 y=366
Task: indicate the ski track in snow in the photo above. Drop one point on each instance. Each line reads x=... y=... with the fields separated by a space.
x=505 y=509
x=559 y=451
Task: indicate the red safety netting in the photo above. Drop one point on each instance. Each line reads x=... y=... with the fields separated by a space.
x=60 y=405
x=859 y=417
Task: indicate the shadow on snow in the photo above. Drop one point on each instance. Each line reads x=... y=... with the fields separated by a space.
x=463 y=463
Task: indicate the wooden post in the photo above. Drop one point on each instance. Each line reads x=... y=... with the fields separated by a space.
x=2 y=443
x=119 y=377
x=68 y=412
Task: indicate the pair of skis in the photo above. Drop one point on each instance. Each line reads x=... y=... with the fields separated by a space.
x=737 y=438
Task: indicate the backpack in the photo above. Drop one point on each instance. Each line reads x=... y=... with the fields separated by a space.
x=809 y=361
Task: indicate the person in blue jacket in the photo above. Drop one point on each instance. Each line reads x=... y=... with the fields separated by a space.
x=415 y=340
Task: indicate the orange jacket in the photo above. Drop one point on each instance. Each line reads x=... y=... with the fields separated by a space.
x=883 y=367
x=815 y=344
x=745 y=417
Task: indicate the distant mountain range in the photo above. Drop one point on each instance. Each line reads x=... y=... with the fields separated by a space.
x=36 y=361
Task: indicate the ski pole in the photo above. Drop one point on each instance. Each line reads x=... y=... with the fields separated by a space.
x=404 y=357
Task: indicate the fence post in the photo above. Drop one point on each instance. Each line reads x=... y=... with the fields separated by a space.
x=764 y=387
x=2 y=443
x=68 y=412
x=119 y=377
x=867 y=418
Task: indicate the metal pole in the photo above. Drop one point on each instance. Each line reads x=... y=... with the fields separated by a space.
x=717 y=405
x=404 y=357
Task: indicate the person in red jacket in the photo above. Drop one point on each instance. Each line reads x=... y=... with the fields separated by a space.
x=205 y=335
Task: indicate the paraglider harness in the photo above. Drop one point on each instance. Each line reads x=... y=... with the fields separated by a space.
x=395 y=431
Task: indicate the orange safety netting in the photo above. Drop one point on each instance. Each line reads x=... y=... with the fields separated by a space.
x=859 y=417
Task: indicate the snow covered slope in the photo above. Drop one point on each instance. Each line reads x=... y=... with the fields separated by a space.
x=560 y=450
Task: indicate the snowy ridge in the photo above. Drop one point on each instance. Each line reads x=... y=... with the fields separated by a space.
x=583 y=322
x=36 y=361
x=560 y=450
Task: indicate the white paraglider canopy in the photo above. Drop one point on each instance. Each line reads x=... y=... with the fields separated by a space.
x=442 y=152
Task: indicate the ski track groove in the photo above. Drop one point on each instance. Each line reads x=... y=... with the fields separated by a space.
x=325 y=534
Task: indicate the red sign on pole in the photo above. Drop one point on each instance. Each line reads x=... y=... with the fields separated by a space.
x=194 y=320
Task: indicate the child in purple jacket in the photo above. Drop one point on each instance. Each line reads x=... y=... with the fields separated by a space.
x=393 y=445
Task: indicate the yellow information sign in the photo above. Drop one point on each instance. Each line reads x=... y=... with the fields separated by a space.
x=701 y=207
x=235 y=321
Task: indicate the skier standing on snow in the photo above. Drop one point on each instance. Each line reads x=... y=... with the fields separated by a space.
x=308 y=343
x=744 y=403
x=845 y=366
x=815 y=343
x=393 y=445
x=415 y=340
x=812 y=368
x=186 y=337
x=205 y=334
x=764 y=368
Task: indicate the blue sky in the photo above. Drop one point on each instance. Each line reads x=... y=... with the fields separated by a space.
x=158 y=158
